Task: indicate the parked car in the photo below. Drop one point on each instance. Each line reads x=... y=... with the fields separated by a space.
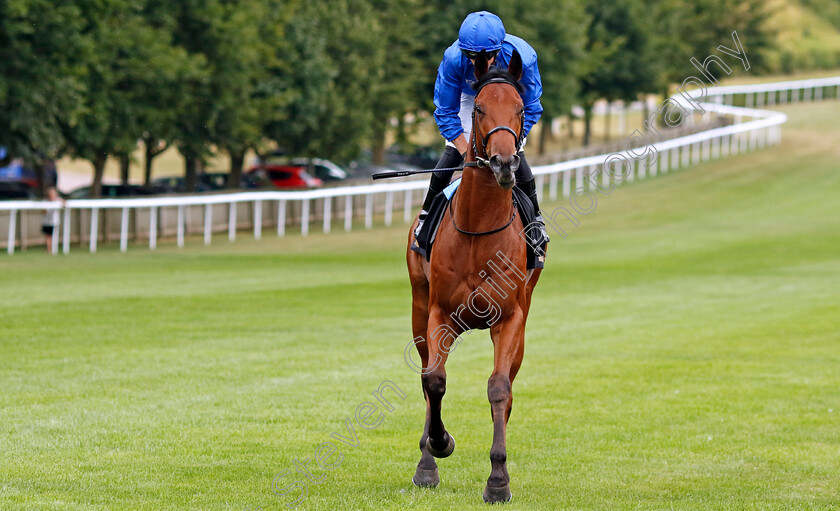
x=280 y=176
x=112 y=191
x=423 y=157
x=256 y=178
x=364 y=169
x=12 y=190
x=325 y=170
x=215 y=180
x=16 y=176
x=175 y=184
x=205 y=182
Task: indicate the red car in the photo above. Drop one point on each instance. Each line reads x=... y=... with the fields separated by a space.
x=280 y=176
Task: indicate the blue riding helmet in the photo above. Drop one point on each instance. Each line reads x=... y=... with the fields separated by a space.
x=481 y=31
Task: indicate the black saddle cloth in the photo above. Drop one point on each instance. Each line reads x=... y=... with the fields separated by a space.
x=536 y=242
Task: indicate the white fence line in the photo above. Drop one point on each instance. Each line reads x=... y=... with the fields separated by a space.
x=660 y=157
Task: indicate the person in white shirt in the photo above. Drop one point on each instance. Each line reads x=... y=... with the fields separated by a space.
x=51 y=218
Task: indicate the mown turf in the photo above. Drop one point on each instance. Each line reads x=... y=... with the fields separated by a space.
x=683 y=352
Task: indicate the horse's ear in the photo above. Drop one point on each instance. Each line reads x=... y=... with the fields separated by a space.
x=481 y=65
x=515 y=67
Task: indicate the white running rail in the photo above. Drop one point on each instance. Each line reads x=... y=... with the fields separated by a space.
x=753 y=129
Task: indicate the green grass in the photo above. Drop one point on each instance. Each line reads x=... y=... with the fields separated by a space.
x=683 y=352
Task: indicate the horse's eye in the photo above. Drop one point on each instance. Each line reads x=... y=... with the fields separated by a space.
x=479 y=110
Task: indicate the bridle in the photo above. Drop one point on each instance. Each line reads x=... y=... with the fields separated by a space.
x=484 y=161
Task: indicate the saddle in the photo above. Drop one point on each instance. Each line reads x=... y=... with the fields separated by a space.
x=536 y=243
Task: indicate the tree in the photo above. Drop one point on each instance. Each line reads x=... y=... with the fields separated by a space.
x=400 y=68
x=555 y=28
x=684 y=29
x=245 y=94
x=107 y=124
x=305 y=80
x=195 y=29
x=333 y=60
x=42 y=56
x=163 y=89
x=619 y=62
x=130 y=78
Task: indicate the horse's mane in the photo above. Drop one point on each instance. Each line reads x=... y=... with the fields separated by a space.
x=495 y=72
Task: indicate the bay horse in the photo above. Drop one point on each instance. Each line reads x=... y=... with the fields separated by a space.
x=481 y=223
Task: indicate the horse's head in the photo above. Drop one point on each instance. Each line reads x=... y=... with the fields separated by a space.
x=498 y=118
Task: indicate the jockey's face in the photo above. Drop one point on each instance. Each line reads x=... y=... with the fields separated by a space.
x=473 y=55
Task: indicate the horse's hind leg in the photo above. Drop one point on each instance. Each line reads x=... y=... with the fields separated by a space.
x=508 y=343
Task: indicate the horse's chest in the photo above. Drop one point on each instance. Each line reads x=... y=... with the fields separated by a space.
x=479 y=299
x=481 y=279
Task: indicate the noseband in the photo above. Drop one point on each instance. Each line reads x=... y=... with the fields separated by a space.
x=485 y=162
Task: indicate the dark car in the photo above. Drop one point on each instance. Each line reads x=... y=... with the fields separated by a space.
x=215 y=180
x=17 y=181
x=13 y=190
x=280 y=176
x=112 y=191
x=256 y=178
x=176 y=185
x=365 y=169
x=15 y=170
x=420 y=158
x=205 y=182
x=424 y=157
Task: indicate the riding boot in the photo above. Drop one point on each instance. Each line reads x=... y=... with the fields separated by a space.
x=530 y=189
x=450 y=158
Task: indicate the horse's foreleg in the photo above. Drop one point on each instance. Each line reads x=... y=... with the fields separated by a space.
x=440 y=444
x=508 y=340
x=427 y=471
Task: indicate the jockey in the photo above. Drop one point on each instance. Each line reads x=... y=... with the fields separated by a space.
x=454 y=98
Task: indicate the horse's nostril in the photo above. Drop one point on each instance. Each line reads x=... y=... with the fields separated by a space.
x=495 y=163
x=514 y=166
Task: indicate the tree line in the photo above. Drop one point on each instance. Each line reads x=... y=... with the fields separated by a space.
x=90 y=78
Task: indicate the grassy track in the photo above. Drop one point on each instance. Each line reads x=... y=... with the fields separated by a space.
x=683 y=352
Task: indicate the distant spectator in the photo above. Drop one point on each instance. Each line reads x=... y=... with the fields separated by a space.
x=52 y=217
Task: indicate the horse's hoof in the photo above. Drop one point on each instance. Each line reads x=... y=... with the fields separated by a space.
x=426 y=478
x=497 y=495
x=443 y=453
